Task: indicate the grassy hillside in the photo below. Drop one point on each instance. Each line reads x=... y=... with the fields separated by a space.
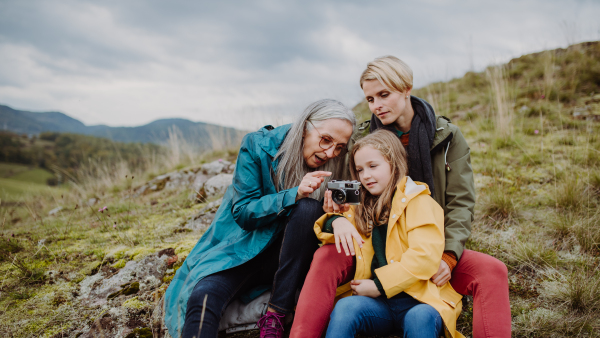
x=17 y=180
x=533 y=129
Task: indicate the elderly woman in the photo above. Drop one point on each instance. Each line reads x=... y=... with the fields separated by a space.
x=263 y=231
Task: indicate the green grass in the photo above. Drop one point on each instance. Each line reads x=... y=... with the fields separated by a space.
x=37 y=175
x=11 y=189
x=11 y=169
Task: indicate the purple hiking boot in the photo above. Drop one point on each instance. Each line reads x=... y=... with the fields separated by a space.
x=271 y=325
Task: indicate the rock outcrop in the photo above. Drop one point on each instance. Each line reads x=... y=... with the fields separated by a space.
x=194 y=178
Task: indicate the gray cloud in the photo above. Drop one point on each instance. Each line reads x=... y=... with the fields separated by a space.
x=244 y=64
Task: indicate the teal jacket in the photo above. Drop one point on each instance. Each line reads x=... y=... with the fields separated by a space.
x=250 y=217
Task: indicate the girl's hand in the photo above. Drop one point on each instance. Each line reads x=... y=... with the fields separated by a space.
x=344 y=231
x=443 y=275
x=311 y=182
x=365 y=287
x=330 y=206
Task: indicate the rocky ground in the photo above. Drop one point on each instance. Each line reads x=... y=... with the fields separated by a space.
x=117 y=292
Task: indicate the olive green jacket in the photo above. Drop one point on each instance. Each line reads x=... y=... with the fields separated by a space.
x=454 y=186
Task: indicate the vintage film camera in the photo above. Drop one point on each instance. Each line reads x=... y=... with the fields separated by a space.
x=345 y=191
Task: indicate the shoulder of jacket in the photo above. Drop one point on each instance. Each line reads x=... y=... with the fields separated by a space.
x=423 y=202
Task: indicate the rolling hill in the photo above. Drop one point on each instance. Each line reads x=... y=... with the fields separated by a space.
x=199 y=134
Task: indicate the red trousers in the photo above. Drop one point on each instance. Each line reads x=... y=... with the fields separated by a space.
x=477 y=274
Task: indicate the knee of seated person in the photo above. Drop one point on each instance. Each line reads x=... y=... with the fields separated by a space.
x=485 y=266
x=309 y=205
x=324 y=253
x=346 y=308
x=197 y=297
x=420 y=315
x=495 y=268
x=327 y=259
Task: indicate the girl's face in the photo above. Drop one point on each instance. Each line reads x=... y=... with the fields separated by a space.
x=387 y=105
x=373 y=170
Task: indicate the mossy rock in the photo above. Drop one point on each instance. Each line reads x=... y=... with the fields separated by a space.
x=133 y=303
x=140 y=333
x=127 y=289
x=119 y=264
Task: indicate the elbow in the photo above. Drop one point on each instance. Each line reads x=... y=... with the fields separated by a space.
x=430 y=260
x=241 y=219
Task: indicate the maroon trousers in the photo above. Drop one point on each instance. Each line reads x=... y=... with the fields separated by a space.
x=477 y=274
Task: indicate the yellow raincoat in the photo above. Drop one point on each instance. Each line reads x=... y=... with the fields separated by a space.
x=414 y=247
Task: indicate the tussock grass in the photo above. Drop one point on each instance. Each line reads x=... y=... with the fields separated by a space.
x=499 y=204
x=577 y=290
x=587 y=233
x=570 y=193
x=531 y=255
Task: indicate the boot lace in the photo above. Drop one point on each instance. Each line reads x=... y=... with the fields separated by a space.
x=270 y=325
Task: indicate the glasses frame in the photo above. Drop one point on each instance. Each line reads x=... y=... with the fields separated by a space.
x=343 y=151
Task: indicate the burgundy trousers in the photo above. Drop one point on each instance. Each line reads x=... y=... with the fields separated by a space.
x=477 y=274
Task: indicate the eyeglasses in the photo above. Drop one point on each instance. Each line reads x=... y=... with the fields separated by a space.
x=326 y=143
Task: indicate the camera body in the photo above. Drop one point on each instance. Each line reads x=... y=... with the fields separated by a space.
x=345 y=192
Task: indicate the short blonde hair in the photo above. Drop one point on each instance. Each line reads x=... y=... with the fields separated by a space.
x=392 y=72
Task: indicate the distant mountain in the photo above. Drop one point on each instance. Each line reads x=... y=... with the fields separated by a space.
x=203 y=135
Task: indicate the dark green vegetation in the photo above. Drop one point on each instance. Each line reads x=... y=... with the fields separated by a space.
x=534 y=133
x=67 y=153
x=201 y=135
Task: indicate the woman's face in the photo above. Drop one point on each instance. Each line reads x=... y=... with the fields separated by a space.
x=373 y=170
x=336 y=130
x=387 y=105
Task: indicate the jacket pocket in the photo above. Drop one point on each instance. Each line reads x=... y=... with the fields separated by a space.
x=449 y=296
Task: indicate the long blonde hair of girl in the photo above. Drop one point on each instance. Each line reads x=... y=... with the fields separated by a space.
x=377 y=208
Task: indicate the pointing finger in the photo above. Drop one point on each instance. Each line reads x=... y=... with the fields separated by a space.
x=319 y=173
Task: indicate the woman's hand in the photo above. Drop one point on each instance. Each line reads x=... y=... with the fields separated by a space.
x=365 y=287
x=311 y=182
x=330 y=206
x=443 y=275
x=344 y=231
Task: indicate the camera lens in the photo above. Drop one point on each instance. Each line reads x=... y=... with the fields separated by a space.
x=338 y=196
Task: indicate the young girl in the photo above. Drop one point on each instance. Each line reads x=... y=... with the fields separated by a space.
x=399 y=248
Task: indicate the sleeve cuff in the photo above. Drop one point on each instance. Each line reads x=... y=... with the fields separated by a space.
x=290 y=197
x=455 y=247
x=379 y=286
x=328 y=227
x=450 y=259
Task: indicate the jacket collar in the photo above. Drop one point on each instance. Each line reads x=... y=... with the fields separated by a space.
x=273 y=138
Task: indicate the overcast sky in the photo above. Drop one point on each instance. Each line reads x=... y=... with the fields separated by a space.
x=250 y=63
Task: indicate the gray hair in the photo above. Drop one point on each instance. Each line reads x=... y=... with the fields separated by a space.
x=292 y=167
